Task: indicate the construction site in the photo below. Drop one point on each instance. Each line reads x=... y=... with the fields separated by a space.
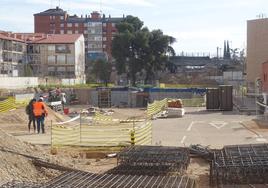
x=183 y=138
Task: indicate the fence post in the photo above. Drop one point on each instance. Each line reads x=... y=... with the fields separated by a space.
x=80 y=127
x=132 y=137
x=51 y=134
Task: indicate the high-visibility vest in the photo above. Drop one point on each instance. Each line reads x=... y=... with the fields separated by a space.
x=39 y=109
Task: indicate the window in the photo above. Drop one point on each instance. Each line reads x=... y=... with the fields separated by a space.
x=113 y=24
x=61 y=31
x=76 y=24
x=61 y=59
x=62 y=48
x=70 y=59
x=69 y=32
x=97 y=38
x=62 y=24
x=104 y=24
x=70 y=69
x=85 y=24
x=51 y=48
x=51 y=59
x=104 y=45
x=52 y=17
x=51 y=69
x=85 y=31
x=61 y=69
x=76 y=32
x=104 y=38
x=69 y=24
x=62 y=17
x=92 y=31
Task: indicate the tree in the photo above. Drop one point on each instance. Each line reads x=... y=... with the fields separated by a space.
x=102 y=70
x=157 y=54
x=135 y=48
x=128 y=45
x=27 y=70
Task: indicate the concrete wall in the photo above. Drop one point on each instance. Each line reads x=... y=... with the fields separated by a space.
x=265 y=77
x=94 y=98
x=232 y=75
x=18 y=82
x=176 y=95
x=257 y=45
x=119 y=98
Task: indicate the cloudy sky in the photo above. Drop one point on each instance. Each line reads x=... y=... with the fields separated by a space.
x=198 y=25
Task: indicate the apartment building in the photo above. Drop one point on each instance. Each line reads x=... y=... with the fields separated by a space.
x=56 y=55
x=257 y=48
x=97 y=29
x=12 y=54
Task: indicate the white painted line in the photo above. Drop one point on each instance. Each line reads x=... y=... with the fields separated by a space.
x=183 y=139
x=190 y=126
x=218 y=124
x=260 y=139
x=236 y=121
x=192 y=123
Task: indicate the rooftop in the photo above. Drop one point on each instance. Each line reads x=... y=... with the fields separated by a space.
x=52 y=11
x=11 y=37
x=57 y=38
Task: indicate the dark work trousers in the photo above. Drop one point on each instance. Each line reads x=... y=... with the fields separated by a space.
x=40 y=123
x=31 y=119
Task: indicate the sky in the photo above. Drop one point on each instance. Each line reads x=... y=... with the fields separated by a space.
x=199 y=26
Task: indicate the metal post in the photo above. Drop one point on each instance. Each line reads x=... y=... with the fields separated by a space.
x=51 y=139
x=80 y=128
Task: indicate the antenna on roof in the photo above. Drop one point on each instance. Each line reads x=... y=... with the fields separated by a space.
x=59 y=3
x=261 y=16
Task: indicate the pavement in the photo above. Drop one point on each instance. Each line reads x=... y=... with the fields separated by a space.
x=198 y=126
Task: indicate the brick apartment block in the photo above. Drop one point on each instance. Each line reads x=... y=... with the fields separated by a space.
x=98 y=30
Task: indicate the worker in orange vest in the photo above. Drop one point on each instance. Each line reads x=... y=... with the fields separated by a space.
x=40 y=113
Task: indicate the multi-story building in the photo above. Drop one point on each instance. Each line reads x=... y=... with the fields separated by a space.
x=257 y=45
x=12 y=54
x=98 y=30
x=61 y=56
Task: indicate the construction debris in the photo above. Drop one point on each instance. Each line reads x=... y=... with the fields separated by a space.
x=152 y=160
x=240 y=164
x=201 y=151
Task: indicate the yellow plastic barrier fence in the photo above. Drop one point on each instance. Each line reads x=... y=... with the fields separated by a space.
x=7 y=105
x=101 y=135
x=143 y=133
x=10 y=104
x=101 y=117
x=156 y=107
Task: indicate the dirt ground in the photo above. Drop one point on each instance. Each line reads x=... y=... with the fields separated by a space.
x=20 y=168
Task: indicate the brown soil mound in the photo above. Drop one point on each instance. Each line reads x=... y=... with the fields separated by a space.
x=19 y=116
x=14 y=166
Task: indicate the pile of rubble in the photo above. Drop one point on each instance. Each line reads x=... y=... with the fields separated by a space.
x=19 y=161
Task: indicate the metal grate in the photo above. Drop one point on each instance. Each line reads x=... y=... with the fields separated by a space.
x=152 y=160
x=240 y=164
x=83 y=179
